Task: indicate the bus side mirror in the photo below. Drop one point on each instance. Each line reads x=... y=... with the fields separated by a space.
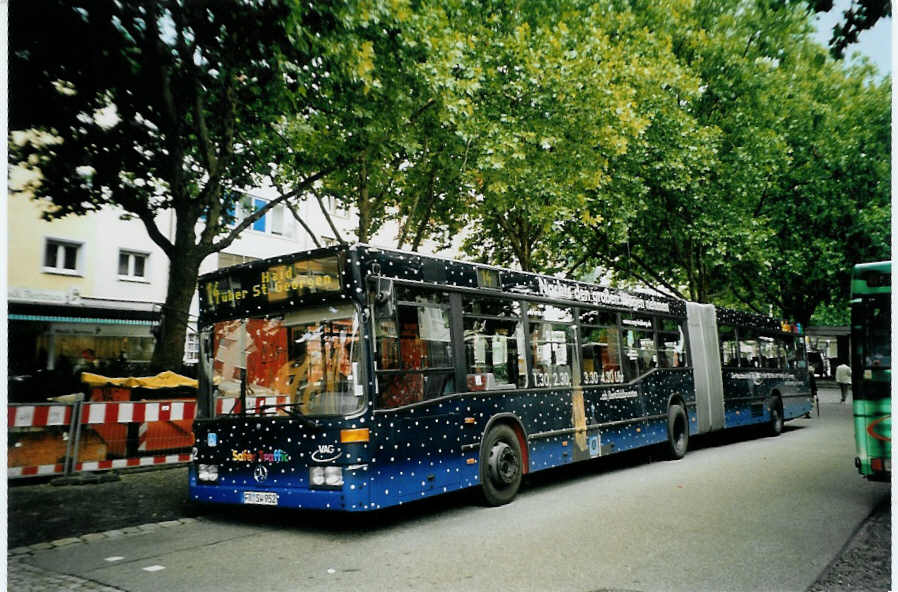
x=384 y=290
x=383 y=299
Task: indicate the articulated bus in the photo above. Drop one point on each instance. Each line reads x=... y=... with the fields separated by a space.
x=356 y=378
x=871 y=368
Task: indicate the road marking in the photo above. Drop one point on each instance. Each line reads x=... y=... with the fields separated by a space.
x=114 y=558
x=154 y=568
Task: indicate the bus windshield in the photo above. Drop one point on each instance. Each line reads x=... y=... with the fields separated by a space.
x=305 y=362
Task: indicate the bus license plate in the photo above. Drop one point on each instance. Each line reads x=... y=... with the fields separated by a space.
x=262 y=498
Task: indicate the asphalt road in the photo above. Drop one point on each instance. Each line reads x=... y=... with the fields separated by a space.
x=740 y=512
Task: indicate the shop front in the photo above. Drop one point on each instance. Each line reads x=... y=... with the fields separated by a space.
x=50 y=344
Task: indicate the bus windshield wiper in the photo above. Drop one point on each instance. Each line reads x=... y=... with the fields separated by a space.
x=291 y=409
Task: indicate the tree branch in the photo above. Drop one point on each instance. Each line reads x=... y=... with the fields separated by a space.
x=327 y=216
x=297 y=217
x=141 y=209
x=305 y=226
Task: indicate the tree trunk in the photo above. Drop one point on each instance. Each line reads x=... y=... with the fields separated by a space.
x=182 y=275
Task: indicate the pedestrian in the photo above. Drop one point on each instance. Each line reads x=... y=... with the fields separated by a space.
x=843 y=378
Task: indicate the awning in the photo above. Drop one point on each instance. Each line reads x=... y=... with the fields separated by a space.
x=94 y=321
x=120 y=314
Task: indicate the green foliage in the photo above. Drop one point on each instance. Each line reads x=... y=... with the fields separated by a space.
x=762 y=176
x=831 y=315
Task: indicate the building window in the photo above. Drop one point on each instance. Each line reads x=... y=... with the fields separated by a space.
x=132 y=265
x=260 y=224
x=276 y=219
x=62 y=257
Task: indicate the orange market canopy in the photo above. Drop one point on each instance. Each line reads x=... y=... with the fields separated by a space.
x=167 y=379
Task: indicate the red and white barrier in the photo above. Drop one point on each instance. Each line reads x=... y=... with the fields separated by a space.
x=40 y=470
x=141 y=461
x=52 y=414
x=127 y=412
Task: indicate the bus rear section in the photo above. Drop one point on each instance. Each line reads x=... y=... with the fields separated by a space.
x=749 y=369
x=871 y=369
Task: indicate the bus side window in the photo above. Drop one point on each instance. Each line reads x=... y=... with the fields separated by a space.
x=729 y=356
x=600 y=347
x=786 y=349
x=415 y=349
x=640 y=355
x=770 y=352
x=671 y=344
x=749 y=349
x=551 y=344
x=494 y=344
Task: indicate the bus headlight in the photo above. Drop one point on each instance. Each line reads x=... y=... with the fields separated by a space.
x=208 y=473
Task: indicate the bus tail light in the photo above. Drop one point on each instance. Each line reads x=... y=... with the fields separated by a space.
x=357 y=435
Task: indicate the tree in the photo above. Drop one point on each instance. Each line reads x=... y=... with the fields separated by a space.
x=764 y=187
x=152 y=106
x=376 y=122
x=535 y=91
x=761 y=175
x=831 y=210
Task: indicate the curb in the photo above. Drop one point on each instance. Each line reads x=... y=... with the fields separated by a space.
x=98 y=536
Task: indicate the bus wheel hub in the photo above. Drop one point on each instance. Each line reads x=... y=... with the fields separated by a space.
x=503 y=464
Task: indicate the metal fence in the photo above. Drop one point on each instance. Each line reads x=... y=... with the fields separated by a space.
x=67 y=438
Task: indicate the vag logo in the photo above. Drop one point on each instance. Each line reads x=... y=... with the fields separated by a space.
x=326 y=453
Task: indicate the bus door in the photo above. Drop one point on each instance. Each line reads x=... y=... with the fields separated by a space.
x=418 y=426
x=627 y=404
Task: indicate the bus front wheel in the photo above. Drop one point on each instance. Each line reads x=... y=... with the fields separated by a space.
x=500 y=465
x=677 y=431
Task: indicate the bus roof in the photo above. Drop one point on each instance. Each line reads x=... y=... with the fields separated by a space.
x=239 y=290
x=871 y=278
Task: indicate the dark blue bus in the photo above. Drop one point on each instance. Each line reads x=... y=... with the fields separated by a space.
x=357 y=378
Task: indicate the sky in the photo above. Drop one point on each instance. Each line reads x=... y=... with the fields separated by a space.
x=874 y=43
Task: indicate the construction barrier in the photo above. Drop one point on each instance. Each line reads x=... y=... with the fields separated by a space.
x=63 y=438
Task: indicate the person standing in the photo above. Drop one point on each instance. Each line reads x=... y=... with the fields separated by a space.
x=843 y=378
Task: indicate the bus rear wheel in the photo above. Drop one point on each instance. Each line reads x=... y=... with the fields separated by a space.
x=500 y=465
x=775 y=427
x=677 y=431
